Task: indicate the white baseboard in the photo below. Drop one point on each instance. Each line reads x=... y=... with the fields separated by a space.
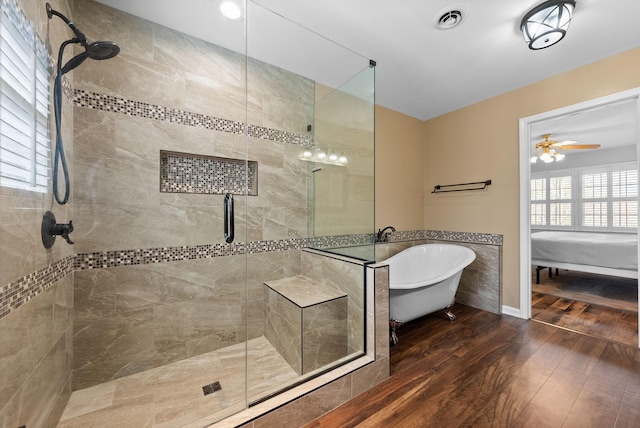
x=514 y=312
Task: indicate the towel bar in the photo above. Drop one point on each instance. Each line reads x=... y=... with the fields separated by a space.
x=438 y=188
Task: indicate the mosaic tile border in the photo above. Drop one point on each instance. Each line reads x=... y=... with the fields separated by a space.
x=120 y=105
x=15 y=294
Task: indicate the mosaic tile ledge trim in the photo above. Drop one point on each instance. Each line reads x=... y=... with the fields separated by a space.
x=167 y=114
x=440 y=235
x=17 y=293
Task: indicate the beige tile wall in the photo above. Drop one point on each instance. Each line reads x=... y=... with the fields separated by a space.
x=35 y=338
x=348 y=278
x=35 y=358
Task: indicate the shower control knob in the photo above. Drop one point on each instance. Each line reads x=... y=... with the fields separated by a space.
x=64 y=230
x=50 y=229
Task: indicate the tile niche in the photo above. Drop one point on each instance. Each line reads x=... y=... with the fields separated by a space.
x=193 y=173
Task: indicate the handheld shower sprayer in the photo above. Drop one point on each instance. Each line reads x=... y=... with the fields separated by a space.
x=97 y=50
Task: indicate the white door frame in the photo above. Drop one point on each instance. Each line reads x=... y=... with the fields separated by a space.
x=525 y=181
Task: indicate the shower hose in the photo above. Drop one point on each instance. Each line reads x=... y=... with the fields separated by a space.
x=59 y=157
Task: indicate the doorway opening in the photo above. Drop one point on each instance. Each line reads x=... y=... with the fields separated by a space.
x=579 y=217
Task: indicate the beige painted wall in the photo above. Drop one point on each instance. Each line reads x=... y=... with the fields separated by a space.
x=480 y=142
x=399 y=170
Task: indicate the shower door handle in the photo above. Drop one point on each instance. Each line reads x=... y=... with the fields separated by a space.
x=228 y=218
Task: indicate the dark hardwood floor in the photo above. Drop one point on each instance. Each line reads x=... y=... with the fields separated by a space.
x=597 y=305
x=485 y=370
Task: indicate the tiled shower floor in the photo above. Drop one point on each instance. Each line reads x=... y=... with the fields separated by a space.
x=172 y=395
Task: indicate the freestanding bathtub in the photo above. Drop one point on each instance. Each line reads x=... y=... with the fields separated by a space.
x=424 y=279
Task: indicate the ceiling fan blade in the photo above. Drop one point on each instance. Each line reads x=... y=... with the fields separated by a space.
x=580 y=146
x=563 y=143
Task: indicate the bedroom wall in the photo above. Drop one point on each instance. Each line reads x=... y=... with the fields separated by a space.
x=480 y=142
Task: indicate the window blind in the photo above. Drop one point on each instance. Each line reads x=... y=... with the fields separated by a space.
x=624 y=195
x=603 y=198
x=24 y=110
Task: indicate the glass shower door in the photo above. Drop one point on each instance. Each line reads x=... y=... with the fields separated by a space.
x=301 y=86
x=159 y=149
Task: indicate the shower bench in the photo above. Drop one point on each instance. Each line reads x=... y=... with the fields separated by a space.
x=306 y=322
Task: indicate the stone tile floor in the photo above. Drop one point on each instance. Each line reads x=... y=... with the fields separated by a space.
x=172 y=395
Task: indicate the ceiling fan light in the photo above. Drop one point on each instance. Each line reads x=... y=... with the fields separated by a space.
x=546 y=24
x=546 y=157
x=559 y=156
x=534 y=158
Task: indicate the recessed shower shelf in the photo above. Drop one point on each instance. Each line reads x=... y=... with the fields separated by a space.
x=201 y=174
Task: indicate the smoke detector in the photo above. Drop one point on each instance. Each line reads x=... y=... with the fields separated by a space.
x=450 y=17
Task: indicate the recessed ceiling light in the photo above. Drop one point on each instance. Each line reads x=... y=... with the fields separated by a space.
x=450 y=17
x=230 y=9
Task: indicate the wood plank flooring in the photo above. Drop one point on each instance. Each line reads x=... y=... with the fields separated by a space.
x=597 y=305
x=594 y=320
x=609 y=291
x=485 y=370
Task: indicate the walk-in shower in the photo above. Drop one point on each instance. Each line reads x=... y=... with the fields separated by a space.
x=198 y=287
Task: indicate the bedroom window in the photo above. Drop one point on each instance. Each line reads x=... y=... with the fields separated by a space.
x=603 y=198
x=552 y=207
x=560 y=201
x=625 y=198
x=538 y=202
x=24 y=109
x=594 y=200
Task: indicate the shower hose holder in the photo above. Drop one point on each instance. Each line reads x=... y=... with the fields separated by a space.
x=51 y=229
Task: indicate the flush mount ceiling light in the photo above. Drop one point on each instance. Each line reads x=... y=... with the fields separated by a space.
x=547 y=23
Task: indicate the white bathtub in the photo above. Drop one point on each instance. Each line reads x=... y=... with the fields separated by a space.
x=424 y=279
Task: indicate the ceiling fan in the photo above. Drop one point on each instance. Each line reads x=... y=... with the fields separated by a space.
x=547 y=150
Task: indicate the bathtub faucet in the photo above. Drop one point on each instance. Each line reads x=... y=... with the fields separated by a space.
x=381 y=236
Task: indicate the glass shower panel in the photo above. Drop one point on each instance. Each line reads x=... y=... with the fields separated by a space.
x=342 y=192
x=160 y=302
x=289 y=68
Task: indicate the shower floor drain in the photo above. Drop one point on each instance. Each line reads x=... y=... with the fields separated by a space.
x=211 y=388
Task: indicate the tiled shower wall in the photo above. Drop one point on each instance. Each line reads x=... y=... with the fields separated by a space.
x=168 y=91
x=36 y=290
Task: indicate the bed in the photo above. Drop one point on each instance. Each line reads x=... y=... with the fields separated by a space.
x=614 y=254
